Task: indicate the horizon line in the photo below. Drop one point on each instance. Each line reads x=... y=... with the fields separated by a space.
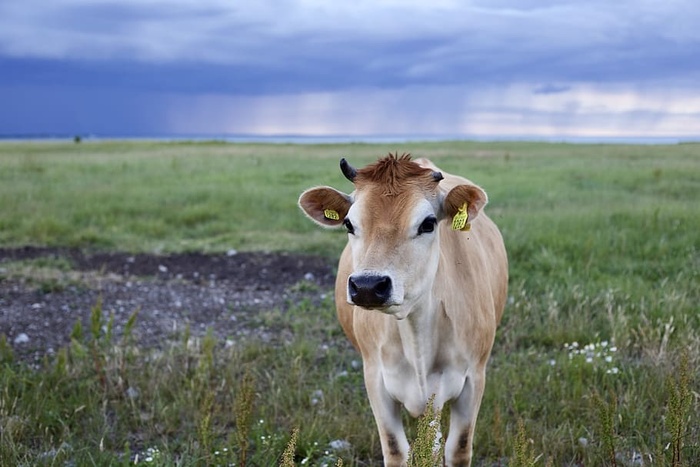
x=350 y=138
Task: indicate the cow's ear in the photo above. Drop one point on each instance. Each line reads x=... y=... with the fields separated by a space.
x=325 y=205
x=469 y=197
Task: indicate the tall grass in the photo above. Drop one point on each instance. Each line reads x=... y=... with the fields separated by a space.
x=594 y=363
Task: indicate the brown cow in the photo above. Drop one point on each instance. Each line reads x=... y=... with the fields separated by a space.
x=421 y=288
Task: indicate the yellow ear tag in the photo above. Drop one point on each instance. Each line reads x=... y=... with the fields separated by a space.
x=459 y=221
x=331 y=214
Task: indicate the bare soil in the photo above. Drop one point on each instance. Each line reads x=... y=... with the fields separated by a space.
x=221 y=293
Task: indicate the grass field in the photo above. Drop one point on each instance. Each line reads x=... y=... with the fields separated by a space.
x=595 y=362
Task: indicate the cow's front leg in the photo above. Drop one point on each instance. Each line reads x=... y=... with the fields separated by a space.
x=458 y=447
x=387 y=414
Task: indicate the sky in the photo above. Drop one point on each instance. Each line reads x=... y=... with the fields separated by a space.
x=487 y=68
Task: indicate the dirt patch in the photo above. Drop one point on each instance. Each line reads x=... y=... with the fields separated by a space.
x=221 y=292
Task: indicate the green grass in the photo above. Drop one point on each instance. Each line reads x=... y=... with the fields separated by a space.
x=603 y=242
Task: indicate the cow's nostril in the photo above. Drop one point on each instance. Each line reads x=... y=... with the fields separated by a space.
x=383 y=286
x=352 y=287
x=369 y=290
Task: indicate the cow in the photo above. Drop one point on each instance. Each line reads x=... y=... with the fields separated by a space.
x=421 y=288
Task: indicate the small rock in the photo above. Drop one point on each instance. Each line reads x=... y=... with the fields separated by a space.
x=309 y=276
x=231 y=252
x=162 y=268
x=132 y=393
x=21 y=338
x=316 y=397
x=637 y=458
x=340 y=445
x=583 y=442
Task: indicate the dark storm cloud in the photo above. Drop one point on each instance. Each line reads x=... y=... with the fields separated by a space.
x=287 y=48
x=161 y=49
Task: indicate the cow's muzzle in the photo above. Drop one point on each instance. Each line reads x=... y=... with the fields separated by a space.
x=369 y=290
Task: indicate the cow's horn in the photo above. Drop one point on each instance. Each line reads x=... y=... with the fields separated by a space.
x=437 y=176
x=349 y=172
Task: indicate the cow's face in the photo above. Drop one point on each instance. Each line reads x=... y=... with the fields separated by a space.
x=392 y=221
x=394 y=244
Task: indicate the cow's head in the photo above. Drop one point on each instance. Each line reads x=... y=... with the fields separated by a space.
x=392 y=220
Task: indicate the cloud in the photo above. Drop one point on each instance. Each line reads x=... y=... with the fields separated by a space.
x=439 y=110
x=308 y=45
x=550 y=88
x=61 y=110
x=391 y=66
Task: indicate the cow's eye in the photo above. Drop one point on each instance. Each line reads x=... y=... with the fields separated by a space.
x=348 y=225
x=428 y=225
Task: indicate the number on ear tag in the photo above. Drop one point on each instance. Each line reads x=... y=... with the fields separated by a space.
x=459 y=221
x=331 y=214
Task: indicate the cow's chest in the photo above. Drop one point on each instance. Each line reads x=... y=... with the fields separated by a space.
x=413 y=381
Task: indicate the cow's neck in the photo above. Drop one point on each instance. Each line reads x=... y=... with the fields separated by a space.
x=418 y=339
x=429 y=357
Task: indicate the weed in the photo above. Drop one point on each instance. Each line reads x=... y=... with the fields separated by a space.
x=288 y=454
x=497 y=432
x=428 y=447
x=606 y=414
x=6 y=353
x=523 y=452
x=204 y=427
x=678 y=409
x=243 y=412
x=97 y=345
